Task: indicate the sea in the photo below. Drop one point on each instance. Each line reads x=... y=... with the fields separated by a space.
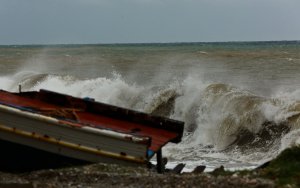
x=240 y=101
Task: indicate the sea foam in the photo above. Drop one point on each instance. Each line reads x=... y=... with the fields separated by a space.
x=224 y=124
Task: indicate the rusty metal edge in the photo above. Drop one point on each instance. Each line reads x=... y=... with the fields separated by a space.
x=125 y=114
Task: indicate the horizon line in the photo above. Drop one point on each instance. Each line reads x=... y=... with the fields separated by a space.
x=141 y=43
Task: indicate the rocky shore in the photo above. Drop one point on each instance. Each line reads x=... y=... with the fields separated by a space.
x=274 y=174
x=101 y=175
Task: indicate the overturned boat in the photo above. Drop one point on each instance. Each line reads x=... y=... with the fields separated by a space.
x=82 y=129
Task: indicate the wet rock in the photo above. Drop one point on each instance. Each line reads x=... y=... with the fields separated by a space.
x=178 y=168
x=218 y=171
x=199 y=169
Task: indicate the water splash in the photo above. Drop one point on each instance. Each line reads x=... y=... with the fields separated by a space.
x=224 y=125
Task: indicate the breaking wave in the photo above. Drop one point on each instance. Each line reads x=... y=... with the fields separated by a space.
x=223 y=123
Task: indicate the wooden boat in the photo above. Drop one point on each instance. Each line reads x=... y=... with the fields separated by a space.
x=84 y=129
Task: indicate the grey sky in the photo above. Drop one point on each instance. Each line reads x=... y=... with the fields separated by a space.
x=131 y=21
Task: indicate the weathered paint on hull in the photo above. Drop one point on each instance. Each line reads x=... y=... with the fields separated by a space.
x=84 y=129
x=24 y=128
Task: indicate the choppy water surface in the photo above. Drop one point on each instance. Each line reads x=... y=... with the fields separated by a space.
x=240 y=101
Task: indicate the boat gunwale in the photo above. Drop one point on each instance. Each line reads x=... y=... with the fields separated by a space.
x=104 y=132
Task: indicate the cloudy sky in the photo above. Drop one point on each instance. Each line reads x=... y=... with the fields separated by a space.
x=136 y=21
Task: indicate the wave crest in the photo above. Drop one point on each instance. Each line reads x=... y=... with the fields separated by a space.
x=217 y=116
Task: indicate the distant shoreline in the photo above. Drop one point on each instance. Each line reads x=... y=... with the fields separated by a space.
x=152 y=43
